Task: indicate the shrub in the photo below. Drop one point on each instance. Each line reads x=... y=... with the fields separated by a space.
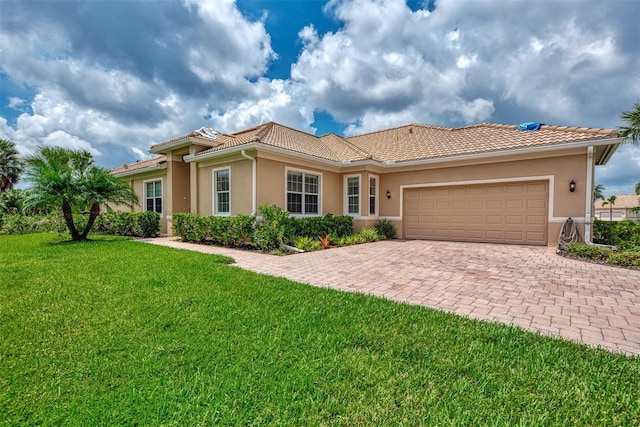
x=306 y=243
x=139 y=224
x=369 y=235
x=385 y=228
x=599 y=253
x=625 y=258
x=27 y=224
x=622 y=234
x=268 y=235
x=148 y=223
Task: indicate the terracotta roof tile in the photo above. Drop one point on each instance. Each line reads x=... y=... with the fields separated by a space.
x=417 y=142
x=139 y=165
x=399 y=144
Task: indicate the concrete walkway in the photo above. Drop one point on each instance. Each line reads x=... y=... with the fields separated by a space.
x=527 y=286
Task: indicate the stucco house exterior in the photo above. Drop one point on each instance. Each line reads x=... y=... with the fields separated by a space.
x=620 y=210
x=484 y=183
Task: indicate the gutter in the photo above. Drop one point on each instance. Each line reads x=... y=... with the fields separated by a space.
x=254 y=181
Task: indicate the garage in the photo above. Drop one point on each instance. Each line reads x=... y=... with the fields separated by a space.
x=513 y=212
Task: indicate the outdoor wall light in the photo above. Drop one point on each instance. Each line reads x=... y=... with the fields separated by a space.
x=388 y=194
x=572 y=186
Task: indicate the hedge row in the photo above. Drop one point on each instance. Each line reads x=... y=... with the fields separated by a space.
x=141 y=224
x=626 y=258
x=622 y=234
x=275 y=228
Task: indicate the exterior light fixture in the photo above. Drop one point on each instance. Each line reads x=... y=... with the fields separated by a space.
x=572 y=186
x=388 y=194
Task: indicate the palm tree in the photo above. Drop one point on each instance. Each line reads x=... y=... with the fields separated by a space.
x=597 y=192
x=68 y=180
x=10 y=165
x=637 y=188
x=610 y=201
x=631 y=130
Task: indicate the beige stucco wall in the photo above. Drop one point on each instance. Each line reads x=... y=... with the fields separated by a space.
x=272 y=184
x=241 y=185
x=137 y=183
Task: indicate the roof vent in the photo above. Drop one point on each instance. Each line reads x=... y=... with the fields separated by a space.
x=529 y=126
x=208 y=132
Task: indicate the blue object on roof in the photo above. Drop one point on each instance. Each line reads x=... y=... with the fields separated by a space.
x=529 y=126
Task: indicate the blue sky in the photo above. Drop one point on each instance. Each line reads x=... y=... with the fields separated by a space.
x=114 y=77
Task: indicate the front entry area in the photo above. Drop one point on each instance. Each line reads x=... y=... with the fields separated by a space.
x=510 y=212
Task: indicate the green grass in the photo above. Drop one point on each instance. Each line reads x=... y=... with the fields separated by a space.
x=116 y=332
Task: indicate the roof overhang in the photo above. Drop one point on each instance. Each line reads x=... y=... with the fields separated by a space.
x=151 y=168
x=605 y=148
x=183 y=142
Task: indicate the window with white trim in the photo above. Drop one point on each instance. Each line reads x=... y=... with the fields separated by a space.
x=153 y=196
x=353 y=195
x=373 y=195
x=222 y=192
x=303 y=193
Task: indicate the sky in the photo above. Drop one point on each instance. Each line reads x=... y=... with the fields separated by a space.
x=115 y=76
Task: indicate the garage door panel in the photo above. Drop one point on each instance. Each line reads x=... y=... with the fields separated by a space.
x=509 y=212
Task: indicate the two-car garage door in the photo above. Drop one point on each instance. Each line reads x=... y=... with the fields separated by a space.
x=514 y=212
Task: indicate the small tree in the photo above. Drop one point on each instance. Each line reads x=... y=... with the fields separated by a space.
x=610 y=201
x=10 y=165
x=68 y=180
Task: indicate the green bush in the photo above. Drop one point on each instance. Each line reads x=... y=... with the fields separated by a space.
x=583 y=250
x=225 y=231
x=622 y=234
x=306 y=243
x=385 y=228
x=27 y=224
x=139 y=224
x=369 y=235
x=625 y=258
x=276 y=227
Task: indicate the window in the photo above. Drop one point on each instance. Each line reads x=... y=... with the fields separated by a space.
x=373 y=195
x=303 y=193
x=353 y=195
x=222 y=196
x=153 y=196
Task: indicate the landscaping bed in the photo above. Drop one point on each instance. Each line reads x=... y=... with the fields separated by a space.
x=616 y=243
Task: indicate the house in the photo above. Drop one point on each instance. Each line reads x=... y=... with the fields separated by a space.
x=481 y=183
x=621 y=209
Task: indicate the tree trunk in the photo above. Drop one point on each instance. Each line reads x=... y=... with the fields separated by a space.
x=93 y=214
x=68 y=218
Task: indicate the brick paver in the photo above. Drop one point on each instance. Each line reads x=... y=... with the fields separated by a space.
x=526 y=286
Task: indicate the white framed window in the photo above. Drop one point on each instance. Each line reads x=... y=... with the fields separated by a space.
x=222 y=191
x=303 y=192
x=352 y=191
x=373 y=195
x=153 y=196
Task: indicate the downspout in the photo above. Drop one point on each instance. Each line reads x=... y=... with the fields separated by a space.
x=254 y=182
x=589 y=192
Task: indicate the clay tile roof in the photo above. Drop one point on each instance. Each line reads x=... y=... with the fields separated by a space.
x=623 y=201
x=329 y=147
x=139 y=165
x=417 y=141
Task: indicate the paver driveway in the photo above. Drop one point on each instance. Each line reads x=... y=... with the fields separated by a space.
x=527 y=286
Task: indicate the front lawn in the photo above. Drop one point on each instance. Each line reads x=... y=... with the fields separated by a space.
x=117 y=332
